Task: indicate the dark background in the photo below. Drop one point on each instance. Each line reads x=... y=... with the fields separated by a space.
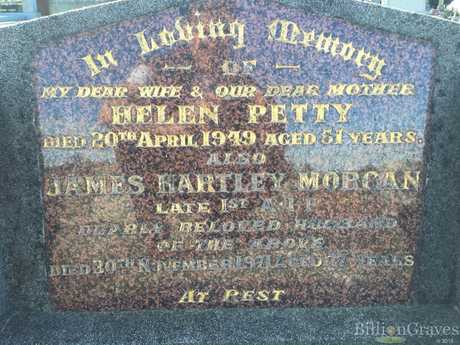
x=434 y=3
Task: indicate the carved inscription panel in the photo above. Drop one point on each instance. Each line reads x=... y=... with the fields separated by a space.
x=240 y=154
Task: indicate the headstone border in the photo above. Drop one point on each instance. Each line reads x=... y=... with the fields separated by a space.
x=23 y=263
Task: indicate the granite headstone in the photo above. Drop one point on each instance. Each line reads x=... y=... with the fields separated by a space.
x=247 y=164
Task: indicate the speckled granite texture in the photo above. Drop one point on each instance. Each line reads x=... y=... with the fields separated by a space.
x=25 y=316
x=333 y=283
